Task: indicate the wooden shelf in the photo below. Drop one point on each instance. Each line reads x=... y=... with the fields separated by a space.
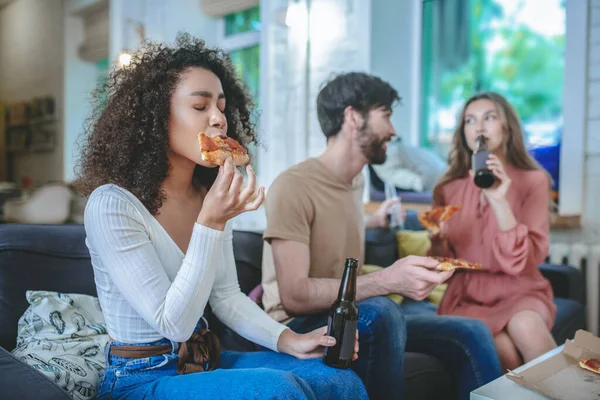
x=565 y=222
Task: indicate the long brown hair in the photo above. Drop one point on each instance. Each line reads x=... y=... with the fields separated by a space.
x=459 y=158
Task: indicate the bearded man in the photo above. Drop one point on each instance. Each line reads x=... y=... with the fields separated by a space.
x=315 y=221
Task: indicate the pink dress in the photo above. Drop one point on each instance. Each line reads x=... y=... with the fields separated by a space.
x=511 y=281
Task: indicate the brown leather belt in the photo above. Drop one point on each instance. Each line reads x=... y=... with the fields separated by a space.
x=200 y=353
x=140 y=351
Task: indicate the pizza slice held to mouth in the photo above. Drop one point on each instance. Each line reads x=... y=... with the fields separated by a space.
x=216 y=150
x=431 y=219
x=449 y=264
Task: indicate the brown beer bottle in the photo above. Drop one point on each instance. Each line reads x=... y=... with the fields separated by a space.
x=343 y=319
x=484 y=178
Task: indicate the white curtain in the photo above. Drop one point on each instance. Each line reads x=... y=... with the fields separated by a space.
x=325 y=37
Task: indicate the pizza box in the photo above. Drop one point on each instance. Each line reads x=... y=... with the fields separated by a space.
x=560 y=377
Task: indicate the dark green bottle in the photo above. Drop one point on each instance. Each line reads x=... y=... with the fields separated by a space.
x=343 y=319
x=484 y=178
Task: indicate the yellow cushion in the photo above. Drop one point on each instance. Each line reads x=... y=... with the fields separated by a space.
x=413 y=243
x=416 y=243
x=435 y=297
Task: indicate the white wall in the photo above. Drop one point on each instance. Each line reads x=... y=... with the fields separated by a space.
x=163 y=19
x=396 y=58
x=187 y=15
x=31 y=59
x=292 y=75
x=340 y=42
x=291 y=79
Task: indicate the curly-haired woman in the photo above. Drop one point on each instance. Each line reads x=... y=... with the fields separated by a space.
x=161 y=244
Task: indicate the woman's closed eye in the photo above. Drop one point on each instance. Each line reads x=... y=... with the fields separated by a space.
x=202 y=108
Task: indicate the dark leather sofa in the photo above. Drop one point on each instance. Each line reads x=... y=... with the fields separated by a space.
x=55 y=258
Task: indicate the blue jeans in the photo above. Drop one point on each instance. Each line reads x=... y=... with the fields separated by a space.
x=382 y=336
x=464 y=345
x=241 y=375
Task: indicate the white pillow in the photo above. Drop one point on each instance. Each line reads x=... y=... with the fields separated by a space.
x=64 y=337
x=411 y=168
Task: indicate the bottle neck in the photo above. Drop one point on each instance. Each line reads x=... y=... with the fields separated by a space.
x=481 y=146
x=348 y=285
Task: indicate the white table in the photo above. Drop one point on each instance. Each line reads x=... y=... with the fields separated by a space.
x=503 y=388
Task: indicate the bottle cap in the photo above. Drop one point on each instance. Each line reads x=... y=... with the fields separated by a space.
x=352 y=261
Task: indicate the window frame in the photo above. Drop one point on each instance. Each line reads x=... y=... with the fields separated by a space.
x=251 y=221
x=237 y=41
x=572 y=151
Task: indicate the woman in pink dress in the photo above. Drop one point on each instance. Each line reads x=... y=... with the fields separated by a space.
x=505 y=228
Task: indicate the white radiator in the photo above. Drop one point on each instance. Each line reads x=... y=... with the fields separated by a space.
x=587 y=259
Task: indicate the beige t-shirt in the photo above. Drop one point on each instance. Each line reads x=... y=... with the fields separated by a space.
x=310 y=205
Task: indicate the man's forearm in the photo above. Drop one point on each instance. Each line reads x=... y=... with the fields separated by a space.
x=315 y=295
x=371 y=221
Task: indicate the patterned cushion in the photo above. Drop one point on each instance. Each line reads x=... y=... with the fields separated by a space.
x=64 y=337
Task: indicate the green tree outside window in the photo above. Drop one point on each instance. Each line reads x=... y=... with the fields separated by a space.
x=246 y=61
x=511 y=48
x=103 y=70
x=243 y=21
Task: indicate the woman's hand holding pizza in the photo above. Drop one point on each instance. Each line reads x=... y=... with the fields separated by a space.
x=439 y=240
x=227 y=198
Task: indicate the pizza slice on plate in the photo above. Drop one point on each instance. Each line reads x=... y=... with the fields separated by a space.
x=592 y=364
x=448 y=264
x=432 y=219
x=216 y=150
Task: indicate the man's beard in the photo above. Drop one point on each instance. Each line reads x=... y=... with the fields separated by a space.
x=371 y=146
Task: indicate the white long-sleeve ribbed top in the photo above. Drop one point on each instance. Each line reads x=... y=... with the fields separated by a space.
x=149 y=289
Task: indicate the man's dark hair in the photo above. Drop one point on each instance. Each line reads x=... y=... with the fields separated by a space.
x=361 y=91
x=126 y=140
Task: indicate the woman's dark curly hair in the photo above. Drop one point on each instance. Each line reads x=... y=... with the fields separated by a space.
x=126 y=139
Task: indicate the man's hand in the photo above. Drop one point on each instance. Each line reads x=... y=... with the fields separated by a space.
x=380 y=218
x=413 y=277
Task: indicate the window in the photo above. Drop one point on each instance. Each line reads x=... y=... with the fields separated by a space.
x=242 y=22
x=241 y=39
x=103 y=70
x=513 y=47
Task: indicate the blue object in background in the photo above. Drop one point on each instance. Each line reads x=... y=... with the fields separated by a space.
x=549 y=158
x=544 y=146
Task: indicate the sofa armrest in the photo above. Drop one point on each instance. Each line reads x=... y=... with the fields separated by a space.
x=21 y=381
x=566 y=281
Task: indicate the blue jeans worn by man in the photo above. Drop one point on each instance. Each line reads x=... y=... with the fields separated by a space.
x=464 y=345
